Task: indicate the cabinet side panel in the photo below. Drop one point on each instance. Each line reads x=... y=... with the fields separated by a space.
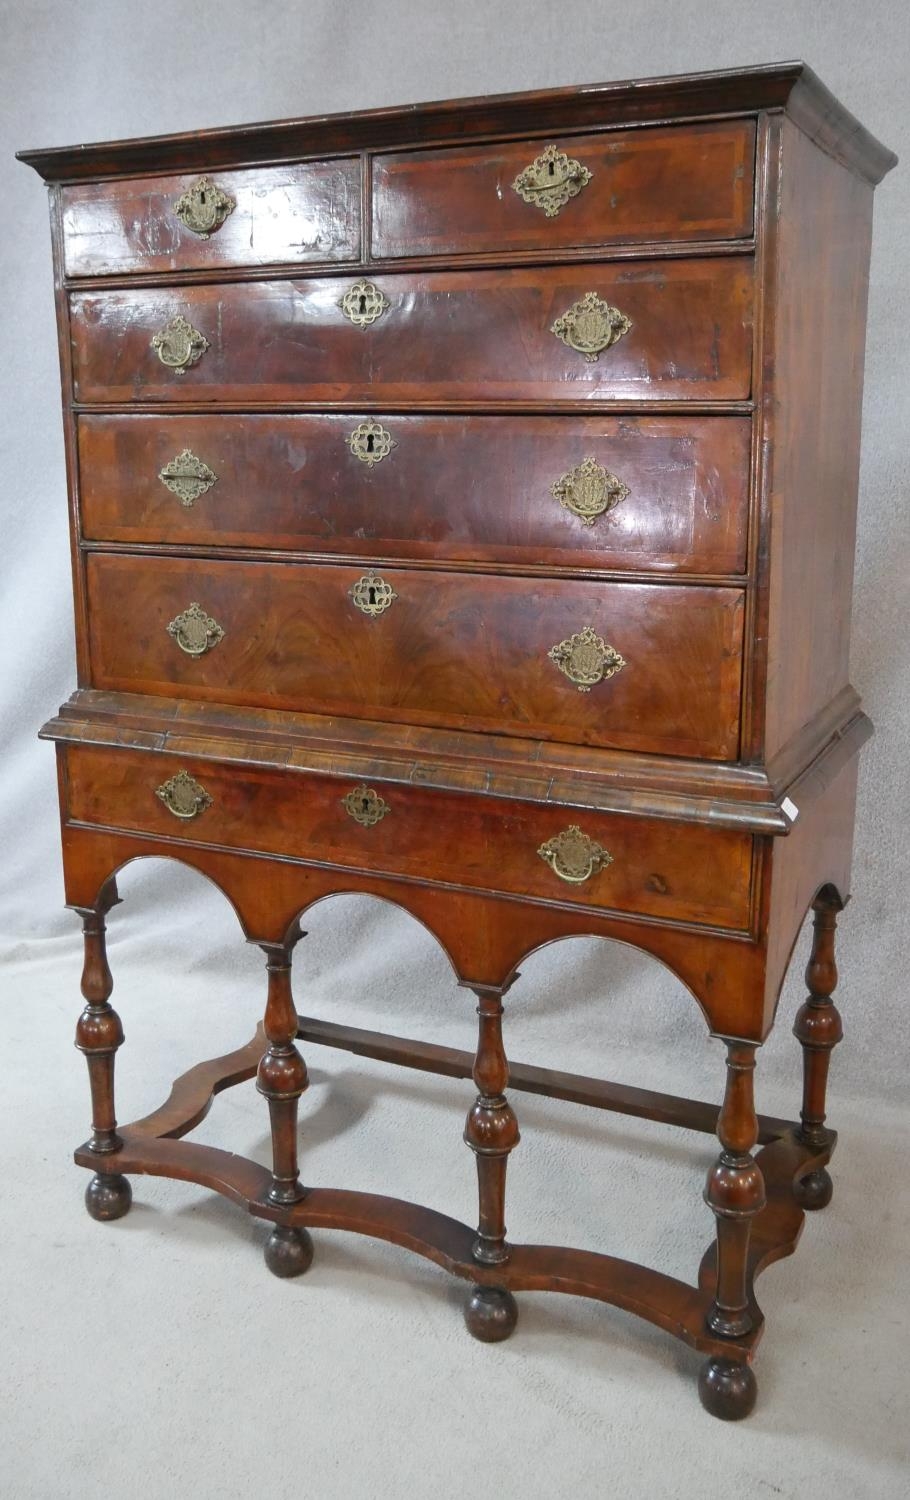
x=813 y=400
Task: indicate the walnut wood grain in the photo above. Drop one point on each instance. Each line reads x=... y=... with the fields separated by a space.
x=792 y=86
x=477 y=489
x=448 y=336
x=725 y=795
x=596 y=1093
x=663 y=1300
x=811 y=423
x=307 y=212
x=674 y=872
x=649 y=185
x=717 y=769
x=467 y=651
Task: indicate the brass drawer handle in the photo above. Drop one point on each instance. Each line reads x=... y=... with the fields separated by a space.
x=365 y=806
x=372 y=595
x=586 y=659
x=589 y=490
x=195 y=632
x=187 y=477
x=363 y=303
x=573 y=856
x=204 y=207
x=178 y=344
x=591 y=326
x=551 y=180
x=183 y=796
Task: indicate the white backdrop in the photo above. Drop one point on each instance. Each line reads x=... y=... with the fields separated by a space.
x=187 y=987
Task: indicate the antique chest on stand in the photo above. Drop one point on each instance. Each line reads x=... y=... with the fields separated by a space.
x=463 y=507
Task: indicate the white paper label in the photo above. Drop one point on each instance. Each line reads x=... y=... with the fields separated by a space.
x=790 y=808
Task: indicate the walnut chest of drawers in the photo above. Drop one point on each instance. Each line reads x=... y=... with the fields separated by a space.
x=463 y=506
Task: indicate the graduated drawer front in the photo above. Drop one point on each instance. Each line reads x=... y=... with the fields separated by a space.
x=452 y=650
x=453 y=487
x=307 y=211
x=652 y=184
x=675 y=872
x=447 y=337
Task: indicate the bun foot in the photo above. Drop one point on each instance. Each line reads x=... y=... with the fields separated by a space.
x=814 y=1190
x=727 y=1388
x=108 y=1196
x=490 y=1314
x=288 y=1251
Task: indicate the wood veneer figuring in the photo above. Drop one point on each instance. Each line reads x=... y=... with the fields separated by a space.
x=463 y=506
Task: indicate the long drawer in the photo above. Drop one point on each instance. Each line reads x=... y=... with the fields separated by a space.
x=656 y=493
x=650 y=667
x=303 y=211
x=663 y=183
x=680 y=329
x=648 y=867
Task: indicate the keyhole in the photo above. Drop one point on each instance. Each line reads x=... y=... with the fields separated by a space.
x=372 y=594
x=369 y=442
x=363 y=303
x=551 y=169
x=202 y=197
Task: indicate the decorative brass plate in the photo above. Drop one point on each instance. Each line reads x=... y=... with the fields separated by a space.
x=591 y=326
x=551 y=180
x=365 y=806
x=573 y=856
x=372 y=595
x=589 y=490
x=586 y=659
x=179 y=344
x=370 y=442
x=203 y=208
x=363 y=303
x=183 y=796
x=187 y=477
x=195 y=632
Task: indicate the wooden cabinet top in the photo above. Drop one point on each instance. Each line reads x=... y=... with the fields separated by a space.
x=789 y=86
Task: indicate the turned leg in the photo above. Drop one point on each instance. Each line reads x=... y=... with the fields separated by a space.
x=818 y=1028
x=281 y=1079
x=491 y=1131
x=98 y=1035
x=736 y=1192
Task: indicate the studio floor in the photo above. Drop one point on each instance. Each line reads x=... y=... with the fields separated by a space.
x=156 y=1356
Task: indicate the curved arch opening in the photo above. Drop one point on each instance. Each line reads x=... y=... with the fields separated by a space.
x=369 y=962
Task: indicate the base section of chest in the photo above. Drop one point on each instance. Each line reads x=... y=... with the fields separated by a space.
x=492 y=877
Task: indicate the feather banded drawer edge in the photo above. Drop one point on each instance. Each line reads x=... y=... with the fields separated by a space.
x=459 y=517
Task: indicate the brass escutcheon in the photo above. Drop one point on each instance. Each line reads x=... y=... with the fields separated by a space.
x=363 y=303
x=183 y=796
x=365 y=806
x=591 y=326
x=204 y=207
x=589 y=490
x=195 y=632
x=187 y=477
x=372 y=595
x=551 y=180
x=586 y=659
x=370 y=442
x=179 y=345
x=573 y=856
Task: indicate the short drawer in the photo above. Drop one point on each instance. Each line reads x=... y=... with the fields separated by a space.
x=652 y=868
x=656 y=493
x=305 y=212
x=615 y=188
x=680 y=329
x=525 y=656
